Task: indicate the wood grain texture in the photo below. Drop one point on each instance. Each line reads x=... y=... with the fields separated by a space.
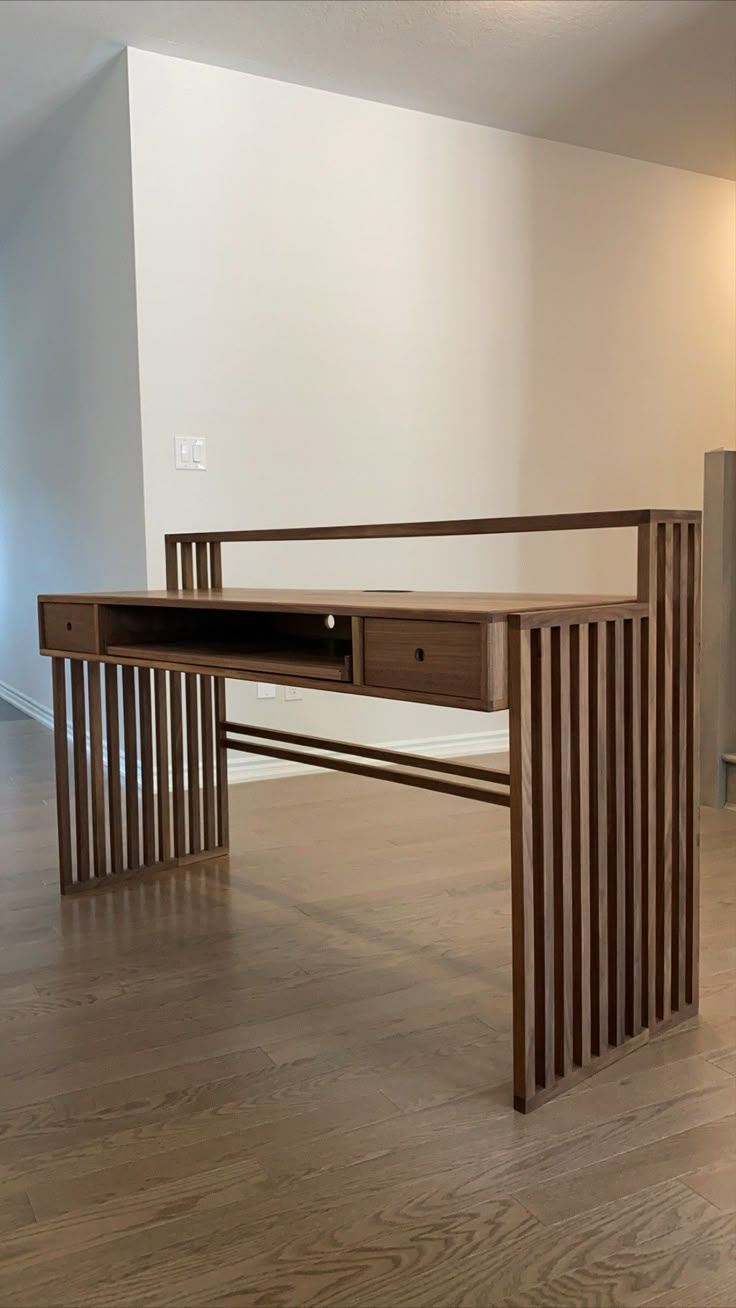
x=97 y=770
x=194 y=811
x=400 y=776
x=172 y=565
x=130 y=741
x=215 y=550
x=522 y=865
x=114 y=788
x=357 y=650
x=177 y=765
x=449 y=766
x=61 y=764
x=81 y=792
x=451 y=527
x=669 y=579
x=204 y=1072
x=148 y=798
x=163 y=791
x=221 y=780
x=203 y=565
x=435 y=606
x=577 y=834
x=209 y=815
x=260 y=663
x=438 y=657
x=599 y=831
x=69 y=627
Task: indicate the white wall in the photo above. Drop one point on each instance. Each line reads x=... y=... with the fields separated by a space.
x=71 y=478
x=378 y=314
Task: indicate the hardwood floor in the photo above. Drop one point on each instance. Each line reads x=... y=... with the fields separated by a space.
x=284 y=1078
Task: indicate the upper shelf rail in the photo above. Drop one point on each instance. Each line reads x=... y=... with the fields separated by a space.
x=452 y=527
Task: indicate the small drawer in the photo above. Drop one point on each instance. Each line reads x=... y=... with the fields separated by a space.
x=70 y=627
x=434 y=658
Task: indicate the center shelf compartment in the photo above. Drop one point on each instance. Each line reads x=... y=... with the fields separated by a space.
x=281 y=644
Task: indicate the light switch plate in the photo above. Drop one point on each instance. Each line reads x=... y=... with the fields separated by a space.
x=265 y=690
x=190 y=453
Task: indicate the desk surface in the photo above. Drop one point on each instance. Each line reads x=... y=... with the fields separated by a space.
x=473 y=606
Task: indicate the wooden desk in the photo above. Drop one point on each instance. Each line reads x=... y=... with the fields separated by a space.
x=602 y=693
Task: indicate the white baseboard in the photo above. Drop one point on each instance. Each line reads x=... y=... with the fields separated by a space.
x=253 y=767
x=40 y=713
x=26 y=705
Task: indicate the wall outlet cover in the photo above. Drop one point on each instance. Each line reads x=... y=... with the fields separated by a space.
x=190 y=454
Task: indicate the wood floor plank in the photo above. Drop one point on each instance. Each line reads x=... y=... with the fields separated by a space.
x=16 y=1214
x=718 y=1185
x=672 y=1155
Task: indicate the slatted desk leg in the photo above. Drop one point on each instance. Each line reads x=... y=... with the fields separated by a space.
x=669 y=579
x=115 y=836
x=576 y=866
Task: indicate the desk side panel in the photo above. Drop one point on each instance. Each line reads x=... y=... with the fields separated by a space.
x=136 y=803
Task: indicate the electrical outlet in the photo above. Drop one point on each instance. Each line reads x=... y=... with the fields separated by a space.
x=265 y=690
x=293 y=692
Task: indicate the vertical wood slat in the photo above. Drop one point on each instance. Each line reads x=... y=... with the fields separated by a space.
x=635 y=865
x=616 y=834
x=187 y=565
x=79 y=744
x=61 y=759
x=97 y=770
x=223 y=810
x=114 y=798
x=546 y=991
x=665 y=608
x=522 y=863
x=645 y=789
x=192 y=738
x=130 y=745
x=160 y=679
x=647 y=589
x=146 y=756
x=177 y=765
x=215 y=565
x=692 y=908
x=194 y=844
x=203 y=569
x=599 y=839
x=209 y=811
x=221 y=790
x=220 y=712
x=172 y=565
x=680 y=821
x=562 y=847
x=580 y=853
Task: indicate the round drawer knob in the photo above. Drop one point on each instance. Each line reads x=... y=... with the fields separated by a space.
x=419 y=655
x=68 y=626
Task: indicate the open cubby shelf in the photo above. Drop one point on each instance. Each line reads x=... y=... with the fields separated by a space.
x=300 y=645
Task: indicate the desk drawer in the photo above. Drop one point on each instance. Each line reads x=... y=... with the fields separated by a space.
x=437 y=658
x=71 y=627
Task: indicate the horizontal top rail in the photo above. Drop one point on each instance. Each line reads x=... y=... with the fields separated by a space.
x=452 y=527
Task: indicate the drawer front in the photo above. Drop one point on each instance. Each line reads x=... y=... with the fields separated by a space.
x=70 y=627
x=437 y=658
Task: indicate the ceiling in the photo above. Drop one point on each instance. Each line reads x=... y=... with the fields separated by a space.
x=653 y=79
